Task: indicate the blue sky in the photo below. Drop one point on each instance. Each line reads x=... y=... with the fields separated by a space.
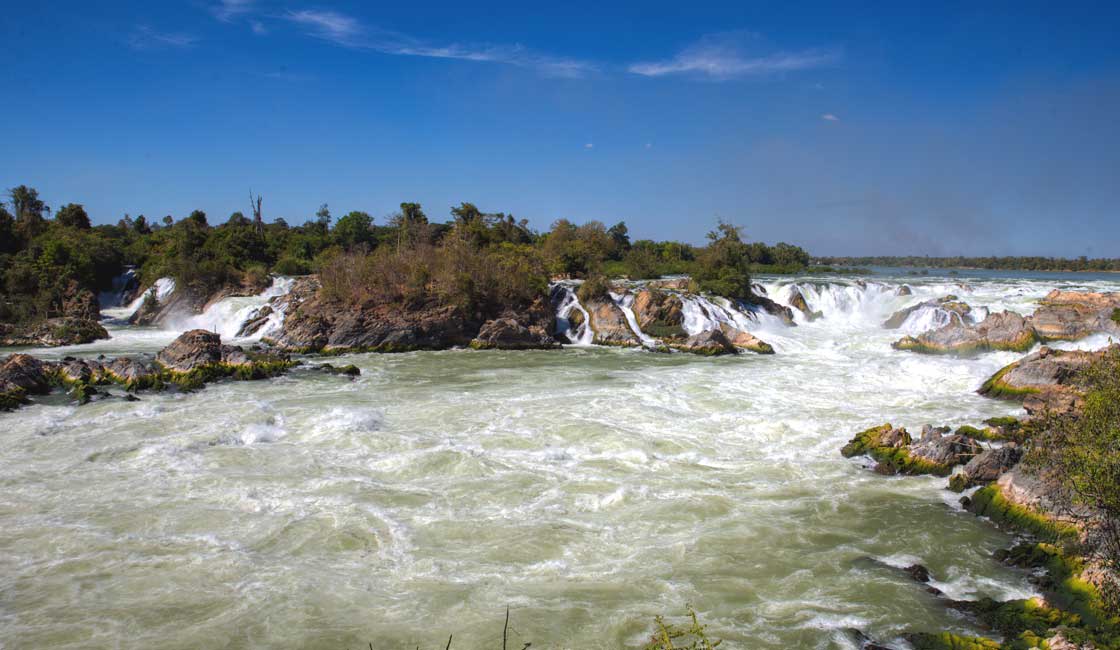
x=947 y=128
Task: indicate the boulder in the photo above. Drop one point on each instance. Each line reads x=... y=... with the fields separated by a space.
x=53 y=332
x=745 y=340
x=659 y=314
x=192 y=349
x=508 y=334
x=707 y=343
x=945 y=450
x=959 y=311
x=609 y=325
x=904 y=290
x=132 y=373
x=797 y=301
x=22 y=375
x=985 y=467
x=881 y=437
x=999 y=331
x=255 y=321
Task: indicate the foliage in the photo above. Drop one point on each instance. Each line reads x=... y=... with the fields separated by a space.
x=594 y=288
x=723 y=268
x=992 y=263
x=692 y=636
x=1082 y=452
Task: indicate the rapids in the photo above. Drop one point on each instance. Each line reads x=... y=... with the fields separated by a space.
x=589 y=489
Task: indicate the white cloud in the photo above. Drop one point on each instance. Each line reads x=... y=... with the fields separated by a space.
x=723 y=56
x=227 y=10
x=829 y=117
x=146 y=38
x=347 y=31
x=258 y=27
x=589 y=145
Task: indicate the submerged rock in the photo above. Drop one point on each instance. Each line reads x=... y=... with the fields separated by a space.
x=22 y=375
x=999 y=331
x=745 y=340
x=774 y=309
x=707 y=343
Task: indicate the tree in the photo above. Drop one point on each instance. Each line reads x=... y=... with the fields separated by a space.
x=198 y=217
x=28 y=210
x=354 y=230
x=723 y=268
x=323 y=216
x=411 y=224
x=620 y=235
x=73 y=215
x=255 y=204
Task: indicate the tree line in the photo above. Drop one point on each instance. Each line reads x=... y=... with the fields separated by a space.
x=469 y=259
x=1010 y=263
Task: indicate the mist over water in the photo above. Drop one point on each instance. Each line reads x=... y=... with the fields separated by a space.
x=589 y=489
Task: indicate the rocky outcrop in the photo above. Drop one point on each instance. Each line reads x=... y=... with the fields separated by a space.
x=195 y=358
x=1044 y=381
x=675 y=284
x=315 y=324
x=892 y=449
x=1072 y=315
x=660 y=314
x=999 y=331
x=797 y=301
x=959 y=311
x=22 y=375
x=941 y=448
x=608 y=323
x=53 y=332
x=508 y=334
x=904 y=290
x=985 y=467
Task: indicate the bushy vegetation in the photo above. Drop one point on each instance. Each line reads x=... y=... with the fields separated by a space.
x=1082 y=452
x=476 y=260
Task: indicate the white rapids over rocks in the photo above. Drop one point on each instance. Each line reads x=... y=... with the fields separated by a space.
x=589 y=489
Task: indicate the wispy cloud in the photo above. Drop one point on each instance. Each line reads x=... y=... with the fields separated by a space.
x=258 y=27
x=346 y=31
x=227 y=10
x=829 y=117
x=725 y=56
x=146 y=38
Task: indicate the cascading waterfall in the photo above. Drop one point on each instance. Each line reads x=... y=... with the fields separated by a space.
x=625 y=302
x=229 y=315
x=565 y=305
x=121 y=284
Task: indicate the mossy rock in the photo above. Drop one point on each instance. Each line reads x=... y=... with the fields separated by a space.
x=1063 y=578
x=1115 y=317
x=997 y=388
x=948 y=641
x=866 y=440
x=990 y=502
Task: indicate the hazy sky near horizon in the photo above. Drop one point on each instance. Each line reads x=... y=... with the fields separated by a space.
x=945 y=128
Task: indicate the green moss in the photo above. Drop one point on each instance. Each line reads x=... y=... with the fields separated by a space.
x=659 y=329
x=990 y=502
x=1115 y=317
x=12 y=399
x=958 y=482
x=761 y=348
x=997 y=388
x=864 y=441
x=1021 y=344
x=947 y=641
x=1063 y=577
x=901 y=461
x=1006 y=421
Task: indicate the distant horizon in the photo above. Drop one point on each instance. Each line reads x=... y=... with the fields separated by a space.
x=845 y=130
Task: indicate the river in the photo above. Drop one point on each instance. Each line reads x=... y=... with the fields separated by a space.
x=588 y=489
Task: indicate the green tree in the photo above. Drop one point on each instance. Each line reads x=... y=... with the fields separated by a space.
x=73 y=215
x=354 y=230
x=723 y=267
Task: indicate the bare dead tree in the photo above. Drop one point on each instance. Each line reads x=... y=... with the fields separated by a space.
x=255 y=205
